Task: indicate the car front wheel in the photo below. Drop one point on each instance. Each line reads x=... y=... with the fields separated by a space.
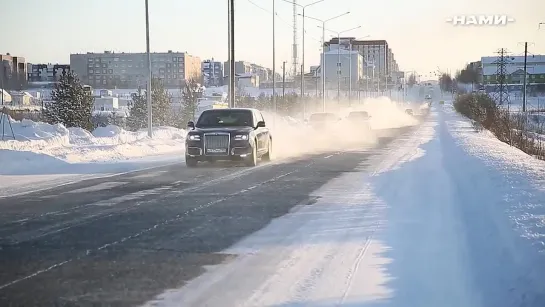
x=191 y=162
x=269 y=155
x=251 y=160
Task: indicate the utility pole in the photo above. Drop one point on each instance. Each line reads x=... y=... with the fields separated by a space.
x=323 y=51
x=303 y=100
x=228 y=72
x=501 y=93
x=148 y=92
x=274 y=60
x=350 y=72
x=323 y=67
x=525 y=73
x=283 y=79
x=2 y=84
x=232 y=76
x=339 y=67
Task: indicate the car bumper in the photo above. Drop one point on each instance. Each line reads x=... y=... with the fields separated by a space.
x=234 y=153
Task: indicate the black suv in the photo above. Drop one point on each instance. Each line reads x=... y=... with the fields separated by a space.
x=228 y=134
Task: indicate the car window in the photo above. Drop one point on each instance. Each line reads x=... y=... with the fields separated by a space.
x=226 y=118
x=358 y=115
x=322 y=116
x=256 y=117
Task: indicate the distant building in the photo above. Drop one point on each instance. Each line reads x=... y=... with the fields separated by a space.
x=106 y=104
x=247 y=80
x=347 y=59
x=376 y=53
x=129 y=70
x=13 y=72
x=46 y=72
x=242 y=67
x=212 y=72
x=514 y=67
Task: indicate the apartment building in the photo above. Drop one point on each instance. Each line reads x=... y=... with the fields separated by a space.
x=212 y=72
x=376 y=53
x=129 y=70
x=46 y=72
x=243 y=68
x=13 y=72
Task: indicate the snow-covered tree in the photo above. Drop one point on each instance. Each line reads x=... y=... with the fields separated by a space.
x=138 y=112
x=71 y=104
x=161 y=101
x=191 y=92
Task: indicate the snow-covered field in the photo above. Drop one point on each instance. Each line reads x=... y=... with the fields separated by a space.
x=52 y=154
x=444 y=217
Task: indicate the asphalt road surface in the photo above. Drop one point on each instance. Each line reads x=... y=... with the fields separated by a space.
x=123 y=240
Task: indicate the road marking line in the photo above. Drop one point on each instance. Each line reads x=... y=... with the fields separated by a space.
x=163 y=223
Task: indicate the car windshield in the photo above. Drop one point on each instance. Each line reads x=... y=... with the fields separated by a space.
x=358 y=115
x=322 y=117
x=225 y=118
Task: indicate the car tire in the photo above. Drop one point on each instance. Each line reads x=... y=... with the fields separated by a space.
x=191 y=162
x=269 y=155
x=252 y=159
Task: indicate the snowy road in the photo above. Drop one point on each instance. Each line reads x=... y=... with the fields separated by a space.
x=122 y=240
x=427 y=223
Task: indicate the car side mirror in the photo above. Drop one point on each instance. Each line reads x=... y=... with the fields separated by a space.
x=191 y=125
x=260 y=124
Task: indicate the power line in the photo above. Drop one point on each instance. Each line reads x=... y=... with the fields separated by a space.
x=286 y=23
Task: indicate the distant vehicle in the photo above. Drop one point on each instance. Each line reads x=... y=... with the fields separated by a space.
x=359 y=119
x=428 y=97
x=228 y=134
x=322 y=120
x=210 y=102
x=409 y=111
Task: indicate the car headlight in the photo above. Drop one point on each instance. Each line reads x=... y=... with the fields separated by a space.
x=194 y=137
x=241 y=137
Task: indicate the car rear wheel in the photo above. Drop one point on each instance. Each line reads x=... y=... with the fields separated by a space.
x=251 y=160
x=191 y=162
x=269 y=155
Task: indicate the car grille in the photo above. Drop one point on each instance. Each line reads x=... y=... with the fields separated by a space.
x=216 y=144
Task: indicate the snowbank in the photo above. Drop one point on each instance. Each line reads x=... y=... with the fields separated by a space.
x=39 y=145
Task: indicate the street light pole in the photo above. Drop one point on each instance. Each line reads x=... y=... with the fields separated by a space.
x=148 y=92
x=339 y=67
x=232 y=76
x=229 y=52
x=274 y=61
x=350 y=73
x=323 y=68
x=303 y=7
x=339 y=58
x=323 y=49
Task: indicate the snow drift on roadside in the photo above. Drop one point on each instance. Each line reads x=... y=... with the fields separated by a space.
x=41 y=145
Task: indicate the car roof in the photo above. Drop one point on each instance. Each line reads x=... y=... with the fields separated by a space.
x=322 y=113
x=235 y=109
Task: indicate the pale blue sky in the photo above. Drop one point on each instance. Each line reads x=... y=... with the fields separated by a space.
x=417 y=31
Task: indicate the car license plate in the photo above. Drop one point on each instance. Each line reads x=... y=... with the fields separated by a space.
x=216 y=150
